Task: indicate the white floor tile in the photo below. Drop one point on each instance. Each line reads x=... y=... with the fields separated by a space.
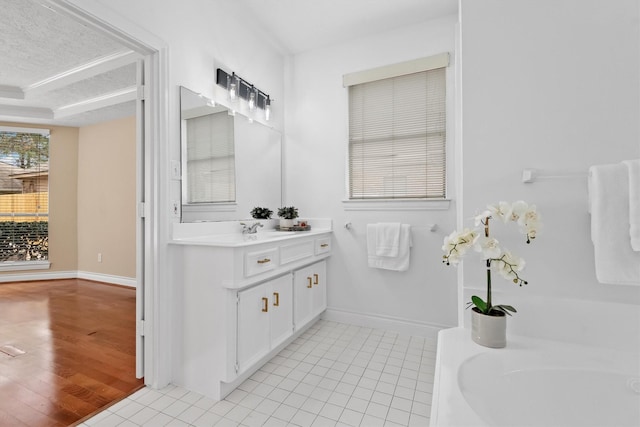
x=208 y=419
x=285 y=412
x=370 y=421
x=303 y=418
x=191 y=414
x=144 y=415
x=158 y=419
x=267 y=406
x=333 y=375
x=176 y=408
x=351 y=418
x=398 y=416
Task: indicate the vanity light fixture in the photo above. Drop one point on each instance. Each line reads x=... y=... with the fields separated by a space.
x=241 y=89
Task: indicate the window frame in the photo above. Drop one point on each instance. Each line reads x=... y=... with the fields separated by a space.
x=38 y=264
x=442 y=60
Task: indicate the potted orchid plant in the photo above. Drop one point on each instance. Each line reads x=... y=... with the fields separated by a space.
x=489 y=320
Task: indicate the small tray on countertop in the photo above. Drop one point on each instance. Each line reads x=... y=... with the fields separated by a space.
x=294 y=228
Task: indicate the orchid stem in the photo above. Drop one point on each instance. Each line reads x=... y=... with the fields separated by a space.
x=486 y=234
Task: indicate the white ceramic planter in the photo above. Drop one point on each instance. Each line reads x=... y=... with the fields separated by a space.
x=286 y=223
x=488 y=331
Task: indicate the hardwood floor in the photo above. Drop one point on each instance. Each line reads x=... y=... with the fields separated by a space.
x=78 y=339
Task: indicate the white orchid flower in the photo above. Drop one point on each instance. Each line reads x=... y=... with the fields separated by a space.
x=502 y=210
x=509 y=265
x=518 y=211
x=480 y=218
x=489 y=247
x=457 y=243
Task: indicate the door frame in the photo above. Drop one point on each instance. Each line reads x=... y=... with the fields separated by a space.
x=151 y=239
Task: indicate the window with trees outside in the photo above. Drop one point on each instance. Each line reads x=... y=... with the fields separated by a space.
x=24 y=195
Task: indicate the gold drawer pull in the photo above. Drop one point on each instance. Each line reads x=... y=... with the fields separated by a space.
x=310 y=282
x=324 y=245
x=276 y=303
x=315 y=279
x=264 y=261
x=265 y=307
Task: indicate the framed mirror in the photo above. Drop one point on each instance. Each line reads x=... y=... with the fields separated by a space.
x=229 y=164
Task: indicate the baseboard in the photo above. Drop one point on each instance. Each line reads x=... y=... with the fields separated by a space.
x=55 y=275
x=40 y=275
x=107 y=278
x=401 y=326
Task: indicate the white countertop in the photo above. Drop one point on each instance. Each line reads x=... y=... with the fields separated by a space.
x=229 y=234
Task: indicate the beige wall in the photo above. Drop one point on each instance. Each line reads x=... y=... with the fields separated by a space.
x=106 y=214
x=63 y=196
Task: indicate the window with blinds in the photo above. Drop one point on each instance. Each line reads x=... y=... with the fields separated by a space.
x=211 y=159
x=397 y=136
x=24 y=194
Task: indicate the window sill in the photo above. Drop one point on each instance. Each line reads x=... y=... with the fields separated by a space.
x=210 y=207
x=397 y=205
x=24 y=265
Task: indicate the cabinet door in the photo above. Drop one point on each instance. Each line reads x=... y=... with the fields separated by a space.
x=319 y=296
x=253 y=326
x=280 y=309
x=303 y=296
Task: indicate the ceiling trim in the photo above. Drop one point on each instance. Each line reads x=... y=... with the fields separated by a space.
x=13 y=92
x=107 y=100
x=85 y=71
x=26 y=112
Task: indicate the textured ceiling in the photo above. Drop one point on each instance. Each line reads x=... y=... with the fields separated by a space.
x=51 y=62
x=56 y=70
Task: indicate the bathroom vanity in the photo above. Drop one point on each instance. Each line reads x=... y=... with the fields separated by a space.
x=244 y=297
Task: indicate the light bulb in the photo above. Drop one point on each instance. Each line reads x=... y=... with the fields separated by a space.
x=233 y=87
x=267 y=109
x=252 y=99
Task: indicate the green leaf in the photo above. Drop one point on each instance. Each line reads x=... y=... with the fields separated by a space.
x=478 y=302
x=504 y=308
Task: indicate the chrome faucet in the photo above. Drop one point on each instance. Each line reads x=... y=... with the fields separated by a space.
x=250 y=229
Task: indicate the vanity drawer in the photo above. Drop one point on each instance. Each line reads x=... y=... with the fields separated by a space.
x=323 y=245
x=260 y=261
x=296 y=251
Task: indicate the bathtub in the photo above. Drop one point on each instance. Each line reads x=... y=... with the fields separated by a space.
x=533 y=382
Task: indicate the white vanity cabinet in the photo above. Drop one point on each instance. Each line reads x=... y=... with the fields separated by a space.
x=310 y=290
x=241 y=302
x=265 y=319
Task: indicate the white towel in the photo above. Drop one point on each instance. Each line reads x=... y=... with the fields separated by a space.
x=633 y=169
x=616 y=263
x=387 y=239
x=396 y=263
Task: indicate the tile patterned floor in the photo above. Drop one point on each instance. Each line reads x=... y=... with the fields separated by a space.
x=334 y=374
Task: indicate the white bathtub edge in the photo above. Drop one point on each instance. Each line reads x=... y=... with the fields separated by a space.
x=448 y=405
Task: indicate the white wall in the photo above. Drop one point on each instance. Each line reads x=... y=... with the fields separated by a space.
x=316 y=139
x=199 y=36
x=550 y=85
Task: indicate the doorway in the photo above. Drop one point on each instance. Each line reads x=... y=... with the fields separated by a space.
x=144 y=96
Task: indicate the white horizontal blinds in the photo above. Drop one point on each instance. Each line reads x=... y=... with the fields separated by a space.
x=397 y=135
x=24 y=194
x=211 y=159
